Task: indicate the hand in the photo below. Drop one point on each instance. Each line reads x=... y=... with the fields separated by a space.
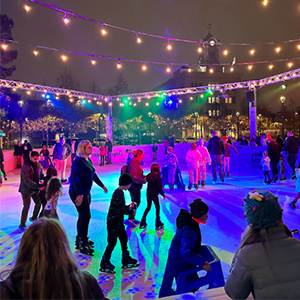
x=78 y=200
x=132 y=204
x=105 y=189
x=42 y=188
x=41 y=181
x=206 y=267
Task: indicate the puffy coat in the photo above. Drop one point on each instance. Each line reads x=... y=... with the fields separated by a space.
x=270 y=269
x=136 y=172
x=205 y=156
x=193 y=158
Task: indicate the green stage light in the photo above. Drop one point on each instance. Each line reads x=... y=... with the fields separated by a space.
x=283 y=86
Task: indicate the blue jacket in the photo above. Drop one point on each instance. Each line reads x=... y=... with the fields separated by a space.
x=184 y=251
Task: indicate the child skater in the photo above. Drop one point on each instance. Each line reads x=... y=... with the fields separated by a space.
x=102 y=154
x=53 y=192
x=116 y=229
x=293 y=203
x=153 y=190
x=265 y=163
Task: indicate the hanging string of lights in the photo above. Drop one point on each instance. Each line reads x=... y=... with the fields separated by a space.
x=30 y=87
x=144 y=63
x=138 y=34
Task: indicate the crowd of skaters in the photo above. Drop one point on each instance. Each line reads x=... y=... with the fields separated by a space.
x=83 y=174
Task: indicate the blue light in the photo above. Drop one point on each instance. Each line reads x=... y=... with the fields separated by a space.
x=48 y=96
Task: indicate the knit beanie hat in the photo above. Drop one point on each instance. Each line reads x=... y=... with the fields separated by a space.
x=125 y=179
x=51 y=172
x=262 y=209
x=198 y=208
x=170 y=149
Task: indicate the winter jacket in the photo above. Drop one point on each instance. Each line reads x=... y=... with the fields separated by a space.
x=171 y=161
x=1 y=156
x=82 y=177
x=184 y=251
x=154 y=187
x=274 y=150
x=109 y=146
x=136 y=172
x=18 y=150
x=61 y=152
x=205 y=157
x=102 y=151
x=193 y=158
x=215 y=146
x=31 y=174
x=265 y=163
x=291 y=145
x=227 y=148
x=270 y=269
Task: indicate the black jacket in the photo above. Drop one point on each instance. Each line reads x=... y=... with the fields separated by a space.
x=154 y=185
x=291 y=145
x=215 y=146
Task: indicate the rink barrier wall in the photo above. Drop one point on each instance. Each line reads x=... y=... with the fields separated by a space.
x=248 y=157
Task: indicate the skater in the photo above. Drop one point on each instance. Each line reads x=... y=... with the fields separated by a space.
x=31 y=174
x=26 y=149
x=53 y=192
x=81 y=180
x=51 y=172
x=297 y=189
x=108 y=150
x=136 y=172
x=202 y=164
x=154 y=151
x=266 y=264
x=216 y=148
x=274 y=150
x=116 y=229
x=282 y=166
x=154 y=188
x=102 y=154
x=265 y=163
x=291 y=147
x=193 y=158
x=171 y=162
x=185 y=246
x=226 y=156
x=2 y=164
x=18 y=153
x=45 y=267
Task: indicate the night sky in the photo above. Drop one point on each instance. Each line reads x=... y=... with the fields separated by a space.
x=233 y=21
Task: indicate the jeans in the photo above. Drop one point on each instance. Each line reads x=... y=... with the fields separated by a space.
x=155 y=200
x=26 y=205
x=216 y=162
x=292 y=158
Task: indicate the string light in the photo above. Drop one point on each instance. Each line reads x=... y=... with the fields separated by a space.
x=93 y=61
x=225 y=52
x=103 y=31
x=138 y=39
x=4 y=46
x=290 y=64
x=231 y=69
x=250 y=67
x=168 y=69
x=64 y=57
x=271 y=66
x=252 y=51
x=66 y=20
x=144 y=67
x=200 y=49
x=265 y=2
x=277 y=48
x=211 y=70
x=298 y=46
x=169 y=47
x=26 y=7
x=35 y=52
x=119 y=66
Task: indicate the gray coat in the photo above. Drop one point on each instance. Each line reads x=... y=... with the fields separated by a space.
x=269 y=269
x=28 y=184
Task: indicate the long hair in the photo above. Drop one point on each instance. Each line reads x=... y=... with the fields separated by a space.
x=81 y=149
x=53 y=186
x=154 y=172
x=45 y=267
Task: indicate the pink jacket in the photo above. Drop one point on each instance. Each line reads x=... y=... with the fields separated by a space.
x=205 y=155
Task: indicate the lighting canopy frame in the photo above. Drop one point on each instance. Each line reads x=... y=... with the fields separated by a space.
x=250 y=84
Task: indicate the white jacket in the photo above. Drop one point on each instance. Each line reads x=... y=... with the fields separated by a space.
x=193 y=158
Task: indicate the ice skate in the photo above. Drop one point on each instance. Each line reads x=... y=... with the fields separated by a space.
x=190 y=186
x=159 y=225
x=89 y=243
x=202 y=183
x=85 y=248
x=196 y=186
x=106 y=266
x=143 y=224
x=128 y=262
x=228 y=174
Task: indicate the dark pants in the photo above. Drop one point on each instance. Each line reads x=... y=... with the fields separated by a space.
x=2 y=169
x=102 y=159
x=84 y=216
x=115 y=230
x=154 y=156
x=46 y=214
x=216 y=162
x=26 y=205
x=267 y=175
x=274 y=163
x=73 y=156
x=292 y=158
x=149 y=203
x=135 y=194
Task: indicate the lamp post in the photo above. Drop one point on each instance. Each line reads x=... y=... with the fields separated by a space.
x=196 y=117
x=20 y=103
x=238 y=124
x=282 y=100
x=259 y=117
x=150 y=121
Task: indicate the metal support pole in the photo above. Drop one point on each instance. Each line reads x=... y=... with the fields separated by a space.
x=109 y=125
x=252 y=114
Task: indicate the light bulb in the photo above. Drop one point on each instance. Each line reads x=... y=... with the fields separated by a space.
x=119 y=66
x=231 y=69
x=93 y=61
x=298 y=46
x=4 y=46
x=250 y=67
x=147 y=104
x=252 y=51
x=290 y=64
x=66 y=20
x=35 y=52
x=168 y=69
x=211 y=70
x=26 y=7
x=169 y=47
x=265 y=2
x=189 y=70
x=277 y=49
x=271 y=66
x=103 y=31
x=64 y=57
x=200 y=49
x=225 y=52
x=144 y=67
x=138 y=39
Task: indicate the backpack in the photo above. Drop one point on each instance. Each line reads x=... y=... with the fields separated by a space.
x=124 y=169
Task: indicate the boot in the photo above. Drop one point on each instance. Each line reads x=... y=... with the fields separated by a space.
x=143 y=224
x=84 y=247
x=196 y=186
x=190 y=186
x=275 y=178
x=106 y=266
x=227 y=174
x=158 y=224
x=202 y=183
x=128 y=262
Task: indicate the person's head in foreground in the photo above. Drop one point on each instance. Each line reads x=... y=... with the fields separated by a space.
x=267 y=262
x=45 y=267
x=199 y=211
x=125 y=181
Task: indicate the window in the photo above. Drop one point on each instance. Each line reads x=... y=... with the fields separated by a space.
x=209 y=99
x=226 y=100
x=214 y=112
x=230 y=100
x=218 y=112
x=217 y=100
x=233 y=99
x=212 y=99
x=209 y=113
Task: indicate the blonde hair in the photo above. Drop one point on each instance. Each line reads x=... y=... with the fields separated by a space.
x=45 y=267
x=81 y=149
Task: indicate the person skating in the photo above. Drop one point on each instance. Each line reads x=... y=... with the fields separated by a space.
x=18 y=153
x=202 y=164
x=291 y=147
x=185 y=247
x=2 y=164
x=297 y=188
x=154 y=188
x=226 y=156
x=193 y=158
x=171 y=162
x=265 y=163
x=115 y=227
